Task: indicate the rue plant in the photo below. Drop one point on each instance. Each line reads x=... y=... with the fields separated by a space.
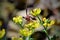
x=28 y=28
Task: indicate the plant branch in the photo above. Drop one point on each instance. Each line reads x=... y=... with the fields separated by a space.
x=45 y=30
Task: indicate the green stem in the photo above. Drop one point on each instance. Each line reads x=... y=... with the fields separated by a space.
x=46 y=33
x=21 y=25
x=44 y=28
x=39 y=19
x=26 y=38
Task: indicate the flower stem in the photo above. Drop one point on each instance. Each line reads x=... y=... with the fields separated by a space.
x=21 y=25
x=39 y=19
x=46 y=33
x=44 y=28
x=26 y=38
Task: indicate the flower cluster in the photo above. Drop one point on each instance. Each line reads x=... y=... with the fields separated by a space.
x=2 y=33
x=47 y=22
x=29 y=27
x=18 y=19
x=25 y=32
x=35 y=12
x=14 y=38
x=32 y=25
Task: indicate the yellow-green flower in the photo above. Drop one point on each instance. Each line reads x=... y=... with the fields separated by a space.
x=25 y=32
x=35 y=24
x=52 y=22
x=35 y=12
x=47 y=22
x=20 y=39
x=14 y=38
x=49 y=25
x=2 y=33
x=32 y=25
x=17 y=19
x=0 y=23
x=43 y=19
